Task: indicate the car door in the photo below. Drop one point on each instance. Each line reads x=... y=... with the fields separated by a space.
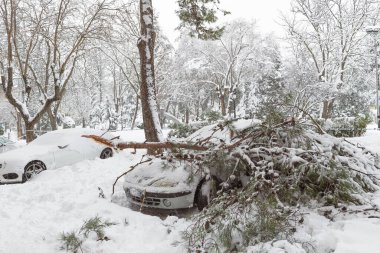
x=67 y=154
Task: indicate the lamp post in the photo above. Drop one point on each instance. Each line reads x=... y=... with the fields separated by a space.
x=373 y=31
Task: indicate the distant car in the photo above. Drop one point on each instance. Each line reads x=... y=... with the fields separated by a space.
x=163 y=187
x=6 y=144
x=51 y=150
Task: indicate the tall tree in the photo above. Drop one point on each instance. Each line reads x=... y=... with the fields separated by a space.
x=194 y=14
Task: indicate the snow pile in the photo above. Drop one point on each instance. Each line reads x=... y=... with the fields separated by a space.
x=34 y=214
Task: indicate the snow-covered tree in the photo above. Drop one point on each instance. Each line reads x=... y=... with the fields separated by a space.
x=332 y=34
x=43 y=42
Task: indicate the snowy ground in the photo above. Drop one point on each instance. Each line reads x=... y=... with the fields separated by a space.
x=32 y=215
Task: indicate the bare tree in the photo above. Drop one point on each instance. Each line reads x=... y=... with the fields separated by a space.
x=332 y=33
x=44 y=42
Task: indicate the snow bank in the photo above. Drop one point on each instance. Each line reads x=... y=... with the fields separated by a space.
x=32 y=215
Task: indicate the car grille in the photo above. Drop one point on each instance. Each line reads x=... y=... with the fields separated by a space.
x=146 y=201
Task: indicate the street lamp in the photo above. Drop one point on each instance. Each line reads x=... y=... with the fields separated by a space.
x=373 y=31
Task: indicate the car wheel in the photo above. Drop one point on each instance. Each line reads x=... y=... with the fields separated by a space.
x=33 y=168
x=206 y=192
x=106 y=153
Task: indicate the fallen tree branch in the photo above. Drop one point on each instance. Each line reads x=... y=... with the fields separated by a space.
x=146 y=145
x=99 y=139
x=160 y=145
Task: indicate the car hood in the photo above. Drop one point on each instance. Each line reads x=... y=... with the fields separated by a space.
x=162 y=176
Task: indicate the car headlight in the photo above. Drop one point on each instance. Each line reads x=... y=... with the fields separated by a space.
x=167 y=203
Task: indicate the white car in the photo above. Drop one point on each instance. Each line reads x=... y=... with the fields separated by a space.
x=171 y=187
x=52 y=150
x=164 y=187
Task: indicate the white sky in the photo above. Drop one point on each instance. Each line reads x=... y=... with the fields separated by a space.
x=265 y=12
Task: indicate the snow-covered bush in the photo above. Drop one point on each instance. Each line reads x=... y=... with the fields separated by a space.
x=181 y=130
x=279 y=169
x=346 y=126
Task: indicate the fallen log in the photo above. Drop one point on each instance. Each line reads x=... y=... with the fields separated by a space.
x=160 y=145
x=146 y=145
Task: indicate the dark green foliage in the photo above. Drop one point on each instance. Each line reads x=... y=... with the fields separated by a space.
x=212 y=116
x=198 y=15
x=1 y=130
x=346 y=126
x=95 y=225
x=181 y=130
x=73 y=241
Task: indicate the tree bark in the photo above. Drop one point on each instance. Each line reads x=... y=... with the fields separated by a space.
x=327 y=109
x=147 y=145
x=19 y=126
x=152 y=128
x=135 y=113
x=29 y=129
x=222 y=104
x=52 y=119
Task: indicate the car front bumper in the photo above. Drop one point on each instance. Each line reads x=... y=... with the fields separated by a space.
x=157 y=200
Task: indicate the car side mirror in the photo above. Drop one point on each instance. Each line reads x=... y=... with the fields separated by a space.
x=62 y=147
x=116 y=137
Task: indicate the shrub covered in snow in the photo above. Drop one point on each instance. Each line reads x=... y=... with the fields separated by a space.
x=346 y=126
x=279 y=168
x=181 y=130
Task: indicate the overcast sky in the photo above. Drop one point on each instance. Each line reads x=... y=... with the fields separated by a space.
x=265 y=12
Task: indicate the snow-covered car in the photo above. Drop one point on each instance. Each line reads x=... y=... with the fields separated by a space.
x=6 y=144
x=52 y=150
x=165 y=187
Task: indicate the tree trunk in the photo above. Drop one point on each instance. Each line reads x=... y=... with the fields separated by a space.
x=328 y=106
x=29 y=128
x=19 y=126
x=222 y=104
x=187 y=116
x=52 y=119
x=152 y=128
x=135 y=113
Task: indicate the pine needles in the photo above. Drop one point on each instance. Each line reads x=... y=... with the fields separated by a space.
x=73 y=241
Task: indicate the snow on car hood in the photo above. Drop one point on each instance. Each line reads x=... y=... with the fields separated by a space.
x=161 y=176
